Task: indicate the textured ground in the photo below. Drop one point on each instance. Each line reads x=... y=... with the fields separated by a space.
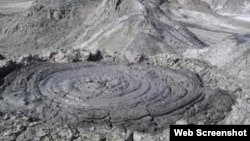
x=121 y=69
x=132 y=96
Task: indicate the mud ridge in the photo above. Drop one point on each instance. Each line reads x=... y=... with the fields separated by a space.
x=138 y=97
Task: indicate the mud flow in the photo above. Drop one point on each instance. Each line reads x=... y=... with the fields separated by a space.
x=121 y=70
x=137 y=97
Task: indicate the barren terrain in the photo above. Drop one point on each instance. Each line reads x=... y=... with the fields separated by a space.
x=121 y=69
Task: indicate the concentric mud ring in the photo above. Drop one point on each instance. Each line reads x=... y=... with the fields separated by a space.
x=94 y=92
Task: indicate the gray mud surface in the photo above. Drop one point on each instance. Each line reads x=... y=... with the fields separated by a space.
x=135 y=97
x=121 y=70
x=97 y=24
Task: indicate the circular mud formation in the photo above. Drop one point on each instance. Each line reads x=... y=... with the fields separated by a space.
x=136 y=97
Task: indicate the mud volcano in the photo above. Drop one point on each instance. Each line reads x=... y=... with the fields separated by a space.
x=138 y=97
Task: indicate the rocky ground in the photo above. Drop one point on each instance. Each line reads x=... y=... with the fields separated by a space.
x=121 y=69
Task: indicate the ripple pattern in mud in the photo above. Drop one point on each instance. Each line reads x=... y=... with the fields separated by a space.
x=101 y=92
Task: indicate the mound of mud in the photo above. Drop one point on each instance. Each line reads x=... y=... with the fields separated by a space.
x=133 y=25
x=139 y=26
x=139 y=66
x=136 y=97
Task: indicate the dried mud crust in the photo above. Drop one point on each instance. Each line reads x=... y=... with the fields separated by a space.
x=97 y=24
x=136 y=97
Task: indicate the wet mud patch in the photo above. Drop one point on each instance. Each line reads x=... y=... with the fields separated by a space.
x=135 y=97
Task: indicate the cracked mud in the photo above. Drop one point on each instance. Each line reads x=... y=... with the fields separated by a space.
x=137 y=97
x=157 y=62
